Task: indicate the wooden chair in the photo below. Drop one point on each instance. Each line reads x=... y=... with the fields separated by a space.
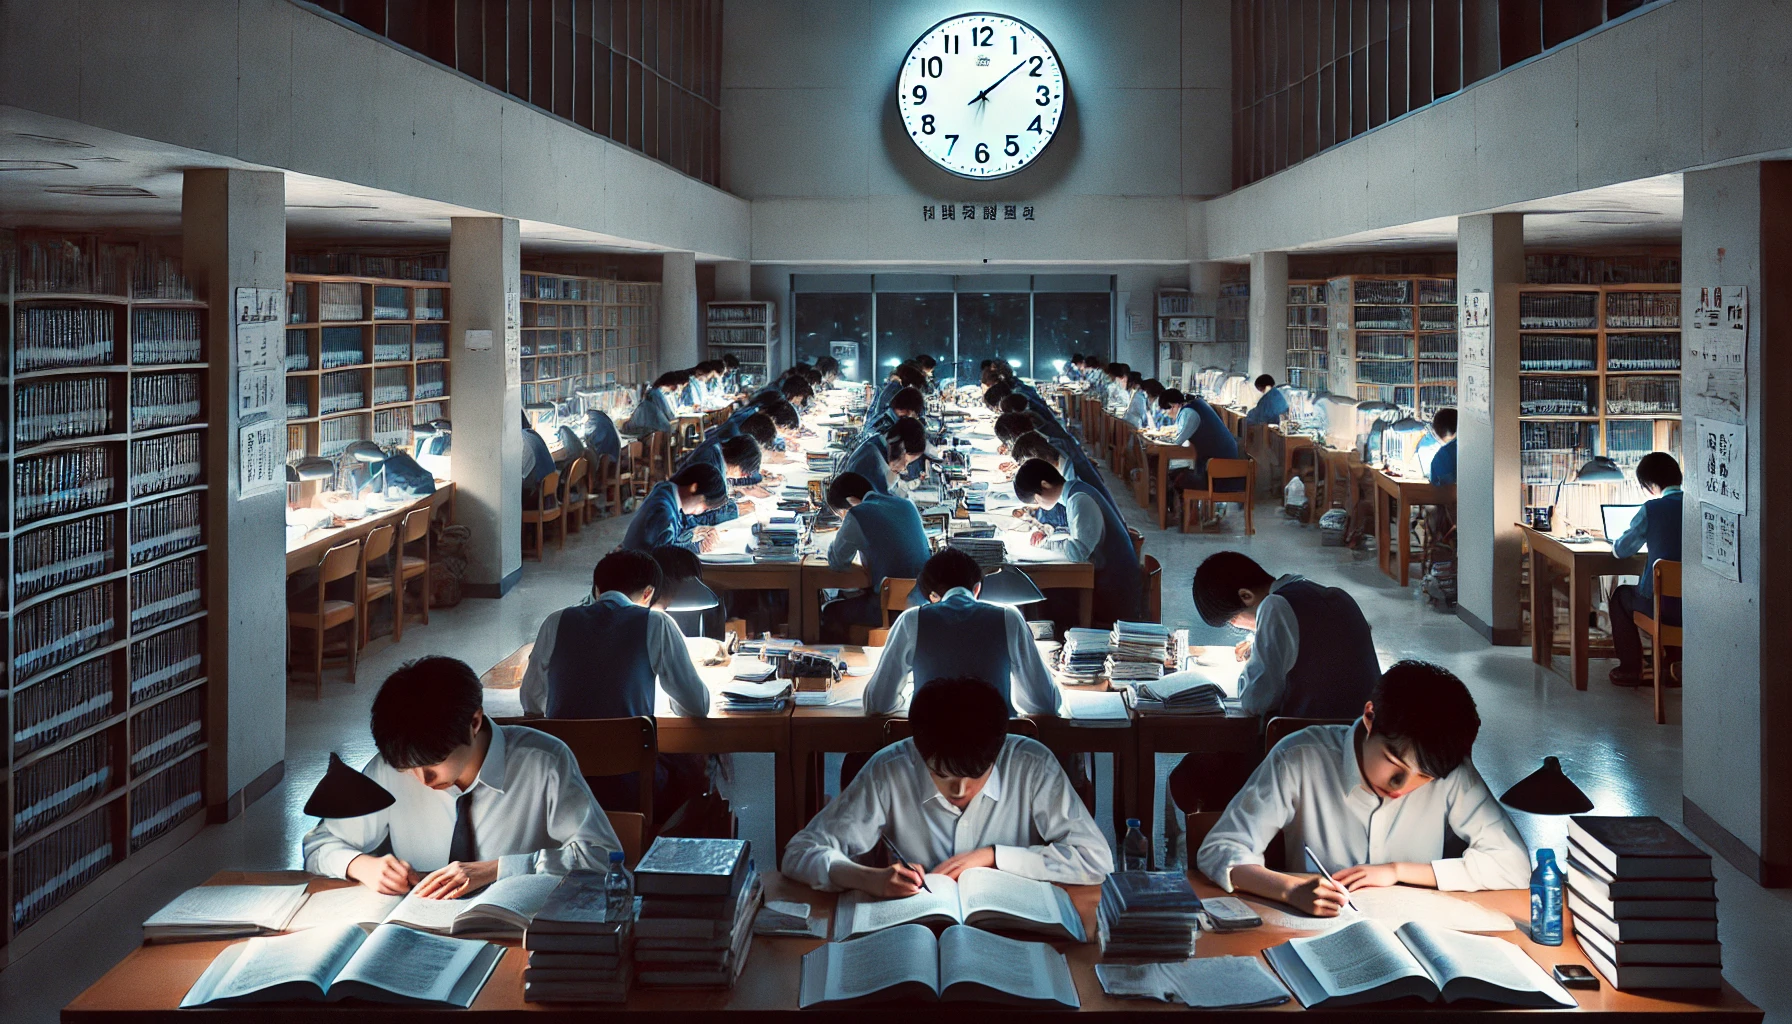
x=376 y=577
x=575 y=496
x=542 y=514
x=339 y=563
x=606 y=488
x=1665 y=585
x=413 y=563
x=659 y=458
x=1138 y=542
x=1154 y=589
x=893 y=600
x=631 y=468
x=612 y=746
x=1244 y=469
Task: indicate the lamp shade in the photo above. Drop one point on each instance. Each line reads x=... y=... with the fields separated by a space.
x=692 y=595
x=1408 y=425
x=1009 y=586
x=1599 y=469
x=314 y=468
x=346 y=793
x=1548 y=790
x=365 y=451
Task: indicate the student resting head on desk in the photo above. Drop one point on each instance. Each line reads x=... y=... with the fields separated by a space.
x=1376 y=801
x=960 y=794
x=883 y=532
x=1656 y=527
x=954 y=634
x=665 y=515
x=473 y=802
x=1096 y=534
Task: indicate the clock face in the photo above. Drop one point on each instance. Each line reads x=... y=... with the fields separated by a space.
x=981 y=94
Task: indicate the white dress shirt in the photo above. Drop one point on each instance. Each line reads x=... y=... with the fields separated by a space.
x=532 y=813
x=1138 y=412
x=666 y=652
x=1311 y=788
x=1086 y=526
x=1034 y=690
x=1027 y=811
x=1274 y=650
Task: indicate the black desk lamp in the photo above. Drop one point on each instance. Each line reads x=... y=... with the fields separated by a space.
x=1548 y=790
x=346 y=793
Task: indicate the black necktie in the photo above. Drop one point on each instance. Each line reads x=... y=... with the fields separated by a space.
x=460 y=848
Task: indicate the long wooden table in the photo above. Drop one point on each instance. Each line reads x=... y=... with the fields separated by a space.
x=1393 y=537
x=310 y=549
x=147 y=986
x=1582 y=564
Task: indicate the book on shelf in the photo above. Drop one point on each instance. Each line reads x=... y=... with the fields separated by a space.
x=963 y=964
x=979 y=898
x=1637 y=847
x=1368 y=962
x=1640 y=929
x=692 y=867
x=321 y=965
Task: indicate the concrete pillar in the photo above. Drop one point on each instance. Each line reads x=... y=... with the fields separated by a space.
x=1736 y=706
x=1269 y=315
x=233 y=233
x=485 y=339
x=734 y=281
x=1489 y=258
x=680 y=326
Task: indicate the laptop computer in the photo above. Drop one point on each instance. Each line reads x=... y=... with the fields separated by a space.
x=1617 y=519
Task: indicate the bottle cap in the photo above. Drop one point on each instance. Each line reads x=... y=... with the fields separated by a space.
x=616 y=856
x=1132 y=823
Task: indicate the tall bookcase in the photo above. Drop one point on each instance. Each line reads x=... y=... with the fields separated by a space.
x=1308 y=356
x=745 y=330
x=1599 y=374
x=366 y=358
x=1394 y=340
x=1232 y=314
x=106 y=410
x=582 y=333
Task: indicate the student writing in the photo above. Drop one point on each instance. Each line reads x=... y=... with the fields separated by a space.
x=666 y=514
x=881 y=531
x=1656 y=526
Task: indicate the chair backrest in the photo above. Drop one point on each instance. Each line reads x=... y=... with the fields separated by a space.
x=631 y=830
x=1279 y=728
x=550 y=484
x=340 y=562
x=378 y=544
x=1154 y=589
x=893 y=596
x=1138 y=542
x=414 y=525
x=575 y=476
x=606 y=746
x=603 y=471
x=1666 y=582
x=1197 y=825
x=898 y=729
x=1231 y=469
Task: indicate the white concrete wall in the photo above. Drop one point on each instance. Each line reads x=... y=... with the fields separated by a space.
x=810 y=133
x=275 y=85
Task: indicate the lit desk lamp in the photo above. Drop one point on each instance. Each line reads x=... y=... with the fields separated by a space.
x=1407 y=434
x=1009 y=586
x=346 y=793
x=1599 y=469
x=367 y=454
x=306 y=469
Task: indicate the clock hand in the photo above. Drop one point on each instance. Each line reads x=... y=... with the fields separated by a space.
x=985 y=93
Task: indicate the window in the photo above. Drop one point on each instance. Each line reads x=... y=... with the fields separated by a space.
x=991 y=326
x=825 y=321
x=1070 y=322
x=909 y=324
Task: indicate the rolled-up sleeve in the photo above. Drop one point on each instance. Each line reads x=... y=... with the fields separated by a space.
x=1497 y=857
x=846 y=828
x=1252 y=819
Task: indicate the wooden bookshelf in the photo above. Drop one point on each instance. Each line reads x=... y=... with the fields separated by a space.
x=585 y=333
x=1232 y=314
x=1309 y=343
x=105 y=704
x=366 y=359
x=1393 y=339
x=746 y=330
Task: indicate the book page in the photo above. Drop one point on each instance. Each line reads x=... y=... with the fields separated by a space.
x=869 y=914
x=1356 y=958
x=410 y=963
x=522 y=895
x=1004 y=964
x=1095 y=706
x=1212 y=982
x=989 y=889
x=349 y=904
x=1449 y=955
x=265 y=906
x=905 y=953
x=312 y=956
x=1393 y=905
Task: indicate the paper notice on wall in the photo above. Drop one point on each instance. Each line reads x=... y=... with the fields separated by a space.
x=1476 y=400
x=258 y=393
x=1476 y=329
x=1720 y=541
x=1721 y=393
x=261 y=452
x=1716 y=358
x=513 y=336
x=260 y=305
x=1720 y=464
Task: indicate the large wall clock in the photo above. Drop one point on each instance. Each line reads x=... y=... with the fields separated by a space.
x=981 y=94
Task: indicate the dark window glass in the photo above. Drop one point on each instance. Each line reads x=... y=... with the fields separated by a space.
x=992 y=326
x=828 y=319
x=910 y=324
x=1067 y=322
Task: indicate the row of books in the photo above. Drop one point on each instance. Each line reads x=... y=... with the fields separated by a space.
x=62 y=407
x=164 y=593
x=339 y=392
x=166 y=336
x=64 y=704
x=392 y=343
x=62 y=554
x=1642 y=309
x=165 y=731
x=1138 y=651
x=391 y=384
x=1544 y=268
x=165 y=463
x=61 y=482
x=160 y=803
x=165 y=400
x=63 y=628
x=167 y=660
x=410 y=267
x=54 y=337
x=1556 y=396
x=1631 y=396
x=47 y=789
x=47 y=871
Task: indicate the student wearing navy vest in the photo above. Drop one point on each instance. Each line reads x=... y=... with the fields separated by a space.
x=737 y=459
x=606 y=658
x=665 y=514
x=655 y=413
x=1312 y=656
x=882 y=532
x=599 y=434
x=1199 y=425
x=1443 y=463
x=1656 y=527
x=1096 y=535
x=955 y=634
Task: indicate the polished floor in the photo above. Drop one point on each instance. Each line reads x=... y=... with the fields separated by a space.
x=1605 y=737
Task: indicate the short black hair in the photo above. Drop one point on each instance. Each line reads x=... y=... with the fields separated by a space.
x=906 y=437
x=910 y=375
x=827 y=365
x=909 y=399
x=1033 y=445
x=1658 y=469
x=672 y=379
x=760 y=427
x=1153 y=387
x=707 y=478
x=1219 y=579
x=731 y=361
x=960 y=725
x=742 y=452
x=626 y=571
x=994 y=393
x=675 y=564
x=1264 y=380
x=1116 y=369
x=1134 y=380
x=997 y=372
x=847 y=485
x=1011 y=425
x=795 y=387
x=1170 y=397
x=425 y=710
x=784 y=415
x=1012 y=402
x=1031 y=474
x=926 y=362
x=810 y=374
x=1427 y=715
x=1443 y=421
x=949 y=567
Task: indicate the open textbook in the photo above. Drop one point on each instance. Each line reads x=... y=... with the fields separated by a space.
x=501 y=910
x=1368 y=962
x=226 y=912
x=906 y=962
x=329 y=964
x=981 y=898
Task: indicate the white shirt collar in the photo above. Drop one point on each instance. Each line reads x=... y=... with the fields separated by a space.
x=491 y=771
x=991 y=789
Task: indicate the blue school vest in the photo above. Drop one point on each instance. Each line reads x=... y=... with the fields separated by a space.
x=1118 y=580
x=1336 y=667
x=659 y=521
x=599 y=668
x=962 y=636
x=895 y=538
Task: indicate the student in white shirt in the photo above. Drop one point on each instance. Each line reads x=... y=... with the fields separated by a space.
x=954 y=635
x=1374 y=801
x=960 y=794
x=475 y=801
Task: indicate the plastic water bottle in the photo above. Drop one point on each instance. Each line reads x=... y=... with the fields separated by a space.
x=1546 y=900
x=1135 y=849
x=619 y=891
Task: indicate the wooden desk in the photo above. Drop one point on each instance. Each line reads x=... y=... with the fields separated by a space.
x=1078 y=576
x=147 y=986
x=1164 y=454
x=1581 y=564
x=306 y=553
x=785 y=576
x=1405 y=493
x=1285 y=446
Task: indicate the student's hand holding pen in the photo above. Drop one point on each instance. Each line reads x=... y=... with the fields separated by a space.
x=386 y=875
x=893 y=882
x=1319 y=896
x=1243 y=650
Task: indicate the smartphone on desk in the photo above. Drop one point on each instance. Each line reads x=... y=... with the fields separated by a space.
x=1575 y=976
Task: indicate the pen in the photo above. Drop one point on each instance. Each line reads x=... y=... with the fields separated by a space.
x=1328 y=876
x=896 y=855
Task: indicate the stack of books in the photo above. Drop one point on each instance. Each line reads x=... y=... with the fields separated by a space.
x=1178 y=696
x=780 y=537
x=1148 y=915
x=1043 y=629
x=698 y=898
x=577 y=954
x=1140 y=651
x=988 y=552
x=771 y=649
x=1644 y=903
x=1085 y=654
x=763 y=695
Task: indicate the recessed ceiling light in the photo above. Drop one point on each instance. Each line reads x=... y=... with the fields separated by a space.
x=53 y=140
x=103 y=191
x=331 y=206
x=382 y=220
x=35 y=165
x=96 y=159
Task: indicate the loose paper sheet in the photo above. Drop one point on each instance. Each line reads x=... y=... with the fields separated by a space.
x=1716 y=357
x=261 y=454
x=1720 y=541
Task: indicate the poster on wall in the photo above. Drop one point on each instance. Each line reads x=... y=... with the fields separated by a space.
x=1720 y=542
x=260 y=452
x=1475 y=401
x=257 y=317
x=513 y=336
x=1716 y=360
x=1720 y=464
